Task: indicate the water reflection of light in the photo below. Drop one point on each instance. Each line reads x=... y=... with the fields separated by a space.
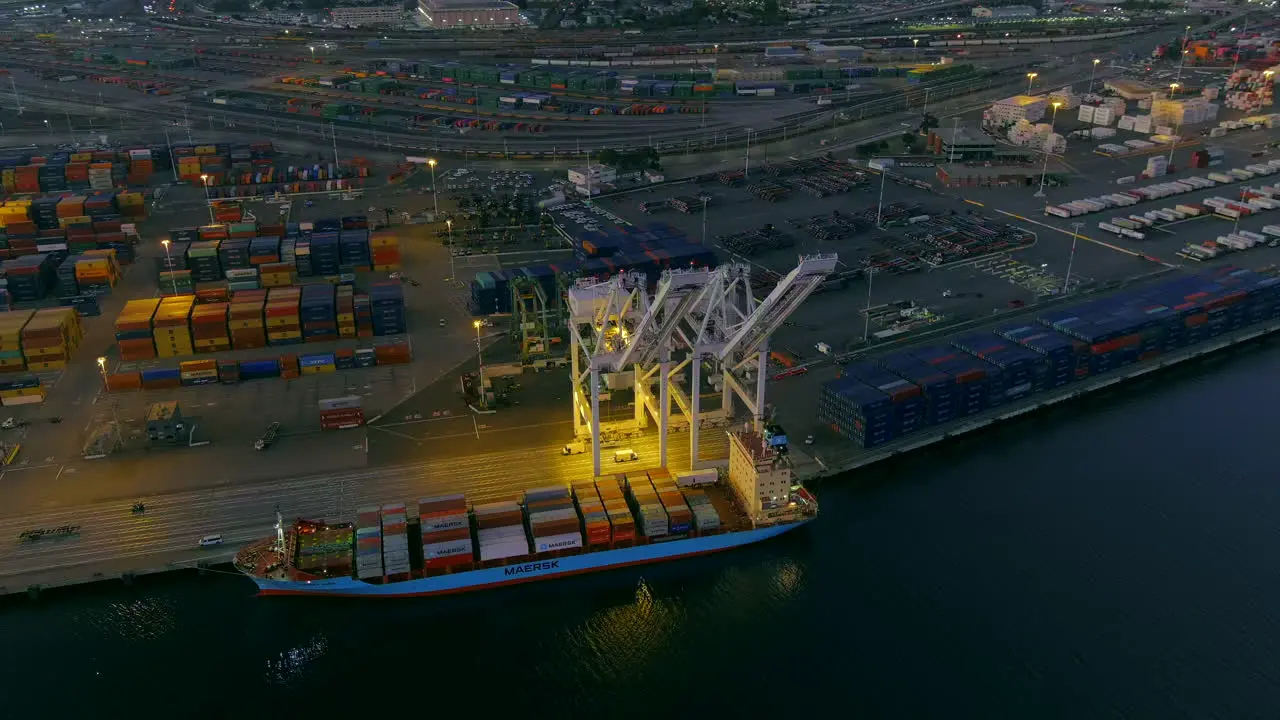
x=622 y=639
x=787 y=579
x=139 y=619
x=292 y=663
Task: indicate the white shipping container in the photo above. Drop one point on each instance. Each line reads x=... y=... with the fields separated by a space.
x=1272 y=230
x=1214 y=202
x=1240 y=174
x=499 y=534
x=447 y=549
x=1228 y=213
x=551 y=543
x=1109 y=228
x=1086 y=113
x=1126 y=180
x=1124 y=223
x=1049 y=210
x=1132 y=234
x=445 y=522
x=553 y=515
x=1188 y=210
x=1221 y=178
x=1252 y=236
x=500 y=551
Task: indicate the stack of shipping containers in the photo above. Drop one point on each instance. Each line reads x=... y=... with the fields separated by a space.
x=209 y=328
x=595 y=521
x=49 y=338
x=318 y=313
x=395 y=540
x=11 y=324
x=986 y=370
x=326 y=553
x=246 y=321
x=649 y=513
x=680 y=518
x=553 y=520
x=386 y=301
x=170 y=327
x=446 y=533
x=385 y=251
x=341 y=413
x=368 y=544
x=133 y=330
x=500 y=530
x=622 y=523
x=284 y=326
x=346 y=312
x=705 y=517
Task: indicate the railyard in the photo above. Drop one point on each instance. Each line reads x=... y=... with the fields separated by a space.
x=419 y=410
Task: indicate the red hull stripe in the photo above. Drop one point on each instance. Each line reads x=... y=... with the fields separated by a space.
x=514 y=581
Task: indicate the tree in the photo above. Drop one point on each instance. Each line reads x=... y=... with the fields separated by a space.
x=909 y=141
x=608 y=157
x=928 y=123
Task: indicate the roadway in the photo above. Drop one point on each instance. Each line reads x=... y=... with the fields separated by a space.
x=168 y=531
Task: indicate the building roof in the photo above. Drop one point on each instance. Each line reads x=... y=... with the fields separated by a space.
x=470 y=5
x=1021 y=100
x=961 y=137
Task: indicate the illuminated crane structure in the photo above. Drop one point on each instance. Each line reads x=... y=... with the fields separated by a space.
x=693 y=318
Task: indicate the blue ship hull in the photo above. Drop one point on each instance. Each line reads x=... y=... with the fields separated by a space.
x=526 y=572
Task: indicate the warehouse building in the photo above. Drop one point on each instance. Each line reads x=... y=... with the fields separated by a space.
x=959 y=145
x=468 y=13
x=367 y=16
x=593 y=176
x=1011 y=110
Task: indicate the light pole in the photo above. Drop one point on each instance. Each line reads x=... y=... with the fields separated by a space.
x=866 y=312
x=435 y=197
x=1075 y=238
x=1045 y=170
x=480 y=361
x=915 y=48
x=449 y=224
x=884 y=174
x=204 y=180
x=49 y=128
x=172 y=163
x=168 y=263
x=1031 y=78
x=1093 y=73
x=746 y=166
x=1173 y=89
x=102 y=369
x=704 y=222
x=1186 y=34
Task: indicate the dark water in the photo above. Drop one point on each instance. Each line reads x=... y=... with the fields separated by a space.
x=1113 y=559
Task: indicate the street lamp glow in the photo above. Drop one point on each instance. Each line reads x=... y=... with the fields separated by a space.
x=431 y=162
x=477 y=324
x=1096 y=61
x=102 y=363
x=165 y=243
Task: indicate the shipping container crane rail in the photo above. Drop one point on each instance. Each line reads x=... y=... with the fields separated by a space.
x=707 y=315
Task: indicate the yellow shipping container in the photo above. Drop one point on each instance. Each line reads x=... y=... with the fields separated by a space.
x=318 y=369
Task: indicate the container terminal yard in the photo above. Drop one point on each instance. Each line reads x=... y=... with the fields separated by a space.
x=901 y=310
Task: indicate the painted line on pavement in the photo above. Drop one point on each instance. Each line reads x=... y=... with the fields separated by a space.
x=1068 y=233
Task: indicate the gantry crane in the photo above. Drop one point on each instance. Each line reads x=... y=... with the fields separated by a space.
x=708 y=316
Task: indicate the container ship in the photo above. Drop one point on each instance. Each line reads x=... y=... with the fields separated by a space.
x=444 y=545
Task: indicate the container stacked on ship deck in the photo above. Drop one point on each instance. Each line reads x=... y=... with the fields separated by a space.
x=446 y=534
x=596 y=531
x=705 y=516
x=553 y=520
x=1065 y=357
x=246 y=320
x=649 y=512
x=395 y=540
x=368 y=544
x=284 y=325
x=133 y=329
x=171 y=327
x=679 y=516
x=621 y=521
x=49 y=338
x=500 y=530
x=326 y=552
